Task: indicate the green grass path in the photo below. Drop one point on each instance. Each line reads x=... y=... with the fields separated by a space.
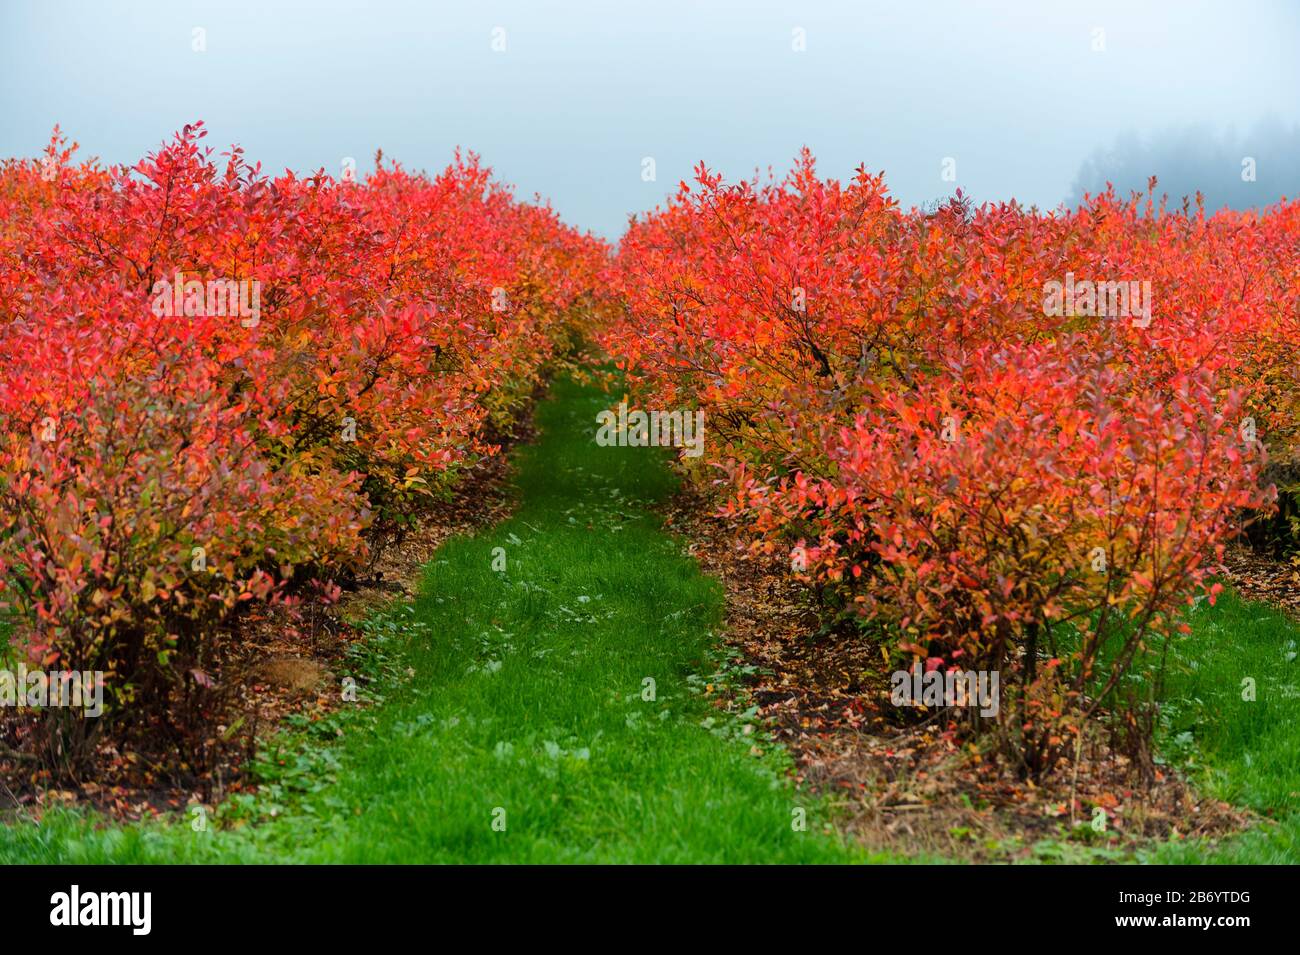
x=525 y=702
x=1238 y=741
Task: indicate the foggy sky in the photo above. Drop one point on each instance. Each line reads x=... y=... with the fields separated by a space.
x=583 y=93
x=1233 y=168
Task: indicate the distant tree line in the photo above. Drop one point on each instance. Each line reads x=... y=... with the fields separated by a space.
x=1240 y=171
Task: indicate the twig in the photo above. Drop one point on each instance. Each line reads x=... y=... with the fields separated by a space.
x=10 y=753
x=1074 y=783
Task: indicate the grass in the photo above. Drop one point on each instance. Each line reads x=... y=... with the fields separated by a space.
x=521 y=696
x=1243 y=751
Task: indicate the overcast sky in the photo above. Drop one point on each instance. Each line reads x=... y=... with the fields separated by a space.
x=1017 y=93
